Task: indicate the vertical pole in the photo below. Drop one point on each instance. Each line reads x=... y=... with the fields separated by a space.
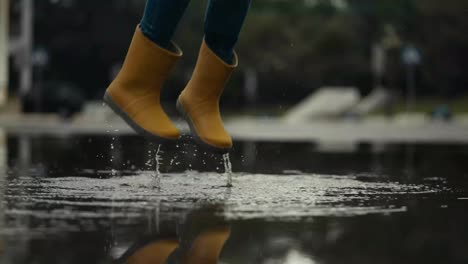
x=251 y=85
x=411 y=58
x=411 y=93
x=27 y=33
x=378 y=64
x=4 y=26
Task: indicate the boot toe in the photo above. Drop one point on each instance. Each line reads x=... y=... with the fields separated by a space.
x=168 y=133
x=220 y=142
x=157 y=123
x=162 y=128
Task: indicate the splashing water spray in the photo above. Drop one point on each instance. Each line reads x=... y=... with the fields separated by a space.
x=156 y=182
x=227 y=169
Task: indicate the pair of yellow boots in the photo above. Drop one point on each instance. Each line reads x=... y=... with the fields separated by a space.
x=135 y=93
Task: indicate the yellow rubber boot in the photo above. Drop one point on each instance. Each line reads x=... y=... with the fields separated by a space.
x=135 y=93
x=199 y=101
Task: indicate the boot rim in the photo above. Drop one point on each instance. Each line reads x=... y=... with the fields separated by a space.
x=177 y=52
x=235 y=59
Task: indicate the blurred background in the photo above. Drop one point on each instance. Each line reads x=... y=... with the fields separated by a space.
x=367 y=58
x=350 y=122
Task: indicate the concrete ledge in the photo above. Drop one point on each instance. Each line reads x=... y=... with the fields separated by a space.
x=350 y=132
x=255 y=129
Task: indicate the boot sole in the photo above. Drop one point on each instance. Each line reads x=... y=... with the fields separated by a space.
x=197 y=138
x=137 y=128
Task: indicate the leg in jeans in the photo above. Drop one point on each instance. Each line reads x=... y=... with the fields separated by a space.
x=223 y=23
x=161 y=18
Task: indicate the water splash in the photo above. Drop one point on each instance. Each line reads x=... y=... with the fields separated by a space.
x=227 y=169
x=156 y=183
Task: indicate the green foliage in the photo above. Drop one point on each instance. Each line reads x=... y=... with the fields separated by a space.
x=296 y=47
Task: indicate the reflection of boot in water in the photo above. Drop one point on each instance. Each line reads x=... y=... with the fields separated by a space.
x=206 y=248
x=154 y=253
x=151 y=248
x=155 y=241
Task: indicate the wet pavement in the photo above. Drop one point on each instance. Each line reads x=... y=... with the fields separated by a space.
x=95 y=199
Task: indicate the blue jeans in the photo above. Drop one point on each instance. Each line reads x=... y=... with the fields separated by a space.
x=223 y=23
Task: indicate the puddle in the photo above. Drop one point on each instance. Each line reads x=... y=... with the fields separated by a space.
x=76 y=200
x=253 y=195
